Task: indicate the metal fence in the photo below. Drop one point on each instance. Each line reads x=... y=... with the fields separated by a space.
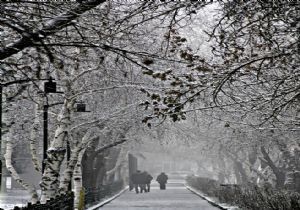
x=62 y=202
x=95 y=195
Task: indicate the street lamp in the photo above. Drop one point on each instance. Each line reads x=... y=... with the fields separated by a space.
x=50 y=86
x=81 y=107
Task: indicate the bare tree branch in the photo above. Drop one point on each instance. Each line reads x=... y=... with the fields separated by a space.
x=50 y=27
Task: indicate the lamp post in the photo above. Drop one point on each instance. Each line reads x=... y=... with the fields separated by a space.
x=45 y=137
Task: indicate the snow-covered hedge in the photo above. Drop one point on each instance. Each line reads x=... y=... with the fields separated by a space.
x=247 y=197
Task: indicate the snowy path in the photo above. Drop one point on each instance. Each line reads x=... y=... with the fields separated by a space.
x=175 y=197
x=10 y=199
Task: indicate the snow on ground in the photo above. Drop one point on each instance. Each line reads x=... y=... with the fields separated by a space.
x=175 y=197
x=13 y=198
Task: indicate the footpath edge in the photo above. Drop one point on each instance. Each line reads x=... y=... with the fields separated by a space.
x=212 y=202
x=108 y=200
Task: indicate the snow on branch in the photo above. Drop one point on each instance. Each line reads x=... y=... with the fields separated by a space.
x=111 y=145
x=49 y=28
x=101 y=121
x=111 y=88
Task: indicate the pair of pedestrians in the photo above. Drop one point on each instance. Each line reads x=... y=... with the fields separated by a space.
x=141 y=181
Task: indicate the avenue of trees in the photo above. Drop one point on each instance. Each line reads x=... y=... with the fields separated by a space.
x=248 y=92
x=136 y=61
x=94 y=51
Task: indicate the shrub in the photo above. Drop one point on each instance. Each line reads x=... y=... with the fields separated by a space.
x=81 y=199
x=247 y=197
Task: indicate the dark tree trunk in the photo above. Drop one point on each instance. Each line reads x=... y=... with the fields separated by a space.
x=93 y=169
x=280 y=179
x=240 y=173
x=278 y=172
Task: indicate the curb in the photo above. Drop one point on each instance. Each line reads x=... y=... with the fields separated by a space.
x=205 y=198
x=108 y=200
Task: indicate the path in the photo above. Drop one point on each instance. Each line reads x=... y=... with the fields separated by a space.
x=175 y=197
x=14 y=198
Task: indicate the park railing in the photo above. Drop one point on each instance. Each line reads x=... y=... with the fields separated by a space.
x=94 y=195
x=246 y=196
x=61 y=202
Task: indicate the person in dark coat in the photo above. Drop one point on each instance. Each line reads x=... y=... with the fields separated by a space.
x=162 y=180
x=142 y=182
x=138 y=180
x=148 y=179
x=135 y=179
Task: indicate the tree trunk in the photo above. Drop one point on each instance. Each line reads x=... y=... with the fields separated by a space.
x=68 y=173
x=77 y=180
x=280 y=179
x=99 y=170
x=56 y=154
x=279 y=174
x=92 y=165
x=237 y=174
x=13 y=172
x=292 y=158
x=33 y=139
x=242 y=172
x=122 y=158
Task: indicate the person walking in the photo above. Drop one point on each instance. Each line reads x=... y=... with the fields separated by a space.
x=148 y=179
x=139 y=181
x=136 y=179
x=142 y=182
x=162 y=179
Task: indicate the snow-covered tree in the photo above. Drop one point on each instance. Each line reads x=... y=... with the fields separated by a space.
x=94 y=50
